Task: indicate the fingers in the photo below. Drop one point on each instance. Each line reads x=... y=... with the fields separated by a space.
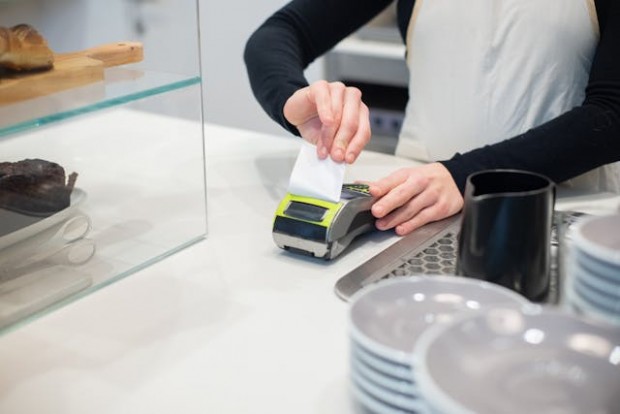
x=425 y=216
x=361 y=137
x=353 y=131
x=382 y=187
x=414 y=197
x=443 y=207
x=407 y=211
x=423 y=209
x=309 y=109
x=403 y=202
x=333 y=117
x=321 y=150
x=328 y=98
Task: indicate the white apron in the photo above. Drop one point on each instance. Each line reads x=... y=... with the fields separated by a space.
x=475 y=78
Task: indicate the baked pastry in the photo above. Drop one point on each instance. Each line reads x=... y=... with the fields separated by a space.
x=23 y=48
x=35 y=186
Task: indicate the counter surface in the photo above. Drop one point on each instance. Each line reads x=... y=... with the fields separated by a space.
x=231 y=324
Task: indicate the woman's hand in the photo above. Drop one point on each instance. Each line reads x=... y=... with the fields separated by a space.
x=412 y=197
x=333 y=117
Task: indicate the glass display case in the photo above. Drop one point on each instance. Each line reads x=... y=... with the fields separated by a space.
x=129 y=141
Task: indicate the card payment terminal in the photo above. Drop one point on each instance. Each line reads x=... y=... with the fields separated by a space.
x=322 y=228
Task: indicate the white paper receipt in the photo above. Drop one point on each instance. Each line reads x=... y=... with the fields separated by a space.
x=314 y=177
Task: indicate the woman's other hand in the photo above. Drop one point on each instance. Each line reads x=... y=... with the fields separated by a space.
x=412 y=197
x=333 y=117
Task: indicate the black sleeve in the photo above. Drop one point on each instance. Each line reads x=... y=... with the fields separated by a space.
x=582 y=139
x=278 y=52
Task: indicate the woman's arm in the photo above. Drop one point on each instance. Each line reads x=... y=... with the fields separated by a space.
x=287 y=42
x=582 y=139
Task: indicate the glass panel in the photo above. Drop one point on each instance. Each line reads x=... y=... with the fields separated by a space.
x=134 y=139
x=138 y=197
x=120 y=86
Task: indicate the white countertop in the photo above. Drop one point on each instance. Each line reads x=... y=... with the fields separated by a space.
x=231 y=324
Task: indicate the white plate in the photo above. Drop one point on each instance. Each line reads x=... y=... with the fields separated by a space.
x=400 y=386
x=577 y=302
x=385 y=366
x=388 y=317
x=599 y=236
x=386 y=397
x=596 y=266
x=533 y=360
x=77 y=197
x=596 y=298
x=372 y=405
x=602 y=283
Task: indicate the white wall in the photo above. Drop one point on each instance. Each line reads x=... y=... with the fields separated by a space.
x=70 y=25
x=224 y=26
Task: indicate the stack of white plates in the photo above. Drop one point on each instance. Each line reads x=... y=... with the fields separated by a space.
x=594 y=268
x=387 y=318
x=529 y=360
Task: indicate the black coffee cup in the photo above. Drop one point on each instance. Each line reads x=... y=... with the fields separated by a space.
x=505 y=235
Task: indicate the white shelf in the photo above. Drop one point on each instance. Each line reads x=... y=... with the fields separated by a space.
x=369 y=61
x=371 y=48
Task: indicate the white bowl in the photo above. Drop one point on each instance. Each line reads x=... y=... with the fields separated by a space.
x=599 y=236
x=529 y=360
x=388 y=317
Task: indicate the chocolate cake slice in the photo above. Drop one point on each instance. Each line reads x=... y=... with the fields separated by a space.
x=35 y=186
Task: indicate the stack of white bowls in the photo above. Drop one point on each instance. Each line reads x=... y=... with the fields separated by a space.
x=386 y=321
x=593 y=271
x=515 y=361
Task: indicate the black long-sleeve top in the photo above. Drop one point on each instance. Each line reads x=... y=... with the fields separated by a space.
x=581 y=139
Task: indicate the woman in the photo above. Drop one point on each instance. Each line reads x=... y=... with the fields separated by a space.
x=524 y=84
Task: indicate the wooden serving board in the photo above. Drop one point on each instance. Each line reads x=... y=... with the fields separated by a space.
x=70 y=70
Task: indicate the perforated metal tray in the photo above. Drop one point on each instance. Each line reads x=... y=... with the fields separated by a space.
x=432 y=250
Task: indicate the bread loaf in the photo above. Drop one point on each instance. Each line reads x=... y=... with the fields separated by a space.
x=23 y=48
